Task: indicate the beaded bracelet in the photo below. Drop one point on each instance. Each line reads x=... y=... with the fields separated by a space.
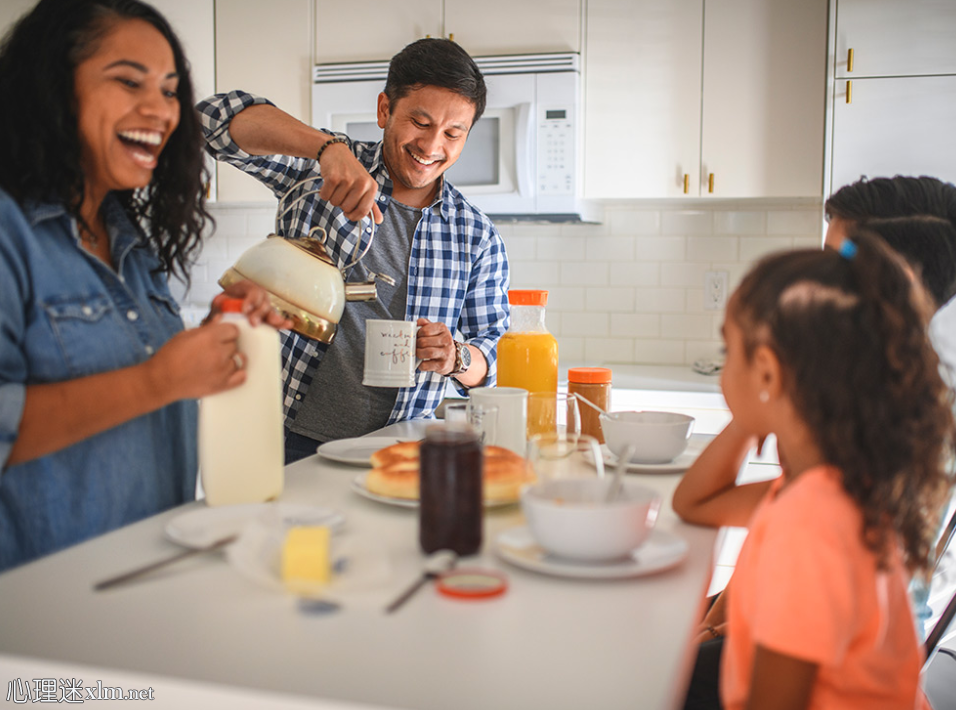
x=713 y=632
x=335 y=139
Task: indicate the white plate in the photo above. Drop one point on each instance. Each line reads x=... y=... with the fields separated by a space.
x=358 y=485
x=357 y=451
x=662 y=550
x=695 y=445
x=204 y=526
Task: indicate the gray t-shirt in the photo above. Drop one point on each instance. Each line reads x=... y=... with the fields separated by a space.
x=338 y=405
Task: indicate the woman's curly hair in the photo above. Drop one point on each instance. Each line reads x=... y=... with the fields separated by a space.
x=851 y=337
x=39 y=138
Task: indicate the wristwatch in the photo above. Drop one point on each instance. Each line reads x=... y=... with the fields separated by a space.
x=462 y=358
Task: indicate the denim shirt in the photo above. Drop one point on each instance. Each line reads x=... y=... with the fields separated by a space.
x=63 y=315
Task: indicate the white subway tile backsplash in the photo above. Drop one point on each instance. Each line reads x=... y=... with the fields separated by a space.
x=658 y=352
x=752 y=248
x=635 y=325
x=561 y=248
x=610 y=300
x=584 y=274
x=814 y=242
x=584 y=325
x=625 y=222
x=629 y=289
x=740 y=222
x=687 y=222
x=608 y=350
x=712 y=248
x=610 y=249
x=659 y=300
x=535 y=274
x=805 y=221
x=635 y=273
x=684 y=274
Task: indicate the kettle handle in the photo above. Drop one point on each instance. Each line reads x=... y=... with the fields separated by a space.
x=280 y=213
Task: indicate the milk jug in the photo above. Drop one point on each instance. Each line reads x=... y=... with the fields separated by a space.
x=240 y=430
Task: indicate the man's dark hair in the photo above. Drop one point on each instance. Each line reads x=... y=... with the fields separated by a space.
x=900 y=196
x=436 y=62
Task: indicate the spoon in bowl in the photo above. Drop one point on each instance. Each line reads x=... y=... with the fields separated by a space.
x=591 y=404
x=615 y=490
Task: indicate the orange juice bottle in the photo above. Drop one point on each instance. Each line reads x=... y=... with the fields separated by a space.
x=528 y=353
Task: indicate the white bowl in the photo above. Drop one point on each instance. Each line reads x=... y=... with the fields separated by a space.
x=570 y=518
x=657 y=437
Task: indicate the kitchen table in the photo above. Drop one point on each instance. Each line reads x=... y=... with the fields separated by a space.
x=548 y=642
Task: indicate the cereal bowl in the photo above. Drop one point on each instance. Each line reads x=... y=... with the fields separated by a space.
x=570 y=517
x=657 y=437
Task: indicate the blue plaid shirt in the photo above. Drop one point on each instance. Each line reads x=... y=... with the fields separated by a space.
x=457 y=270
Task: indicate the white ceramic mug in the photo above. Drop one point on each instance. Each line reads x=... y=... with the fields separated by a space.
x=512 y=416
x=390 y=353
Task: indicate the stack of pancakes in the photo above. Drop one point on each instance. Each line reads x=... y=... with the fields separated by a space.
x=395 y=472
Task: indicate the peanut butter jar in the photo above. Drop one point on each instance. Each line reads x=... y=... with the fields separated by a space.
x=594 y=384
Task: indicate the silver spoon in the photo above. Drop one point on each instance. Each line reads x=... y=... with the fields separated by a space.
x=615 y=490
x=591 y=404
x=437 y=562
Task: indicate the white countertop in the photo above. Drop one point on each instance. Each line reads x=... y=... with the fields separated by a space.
x=547 y=643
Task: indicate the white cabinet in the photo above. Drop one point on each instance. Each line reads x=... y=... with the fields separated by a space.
x=376 y=30
x=11 y=11
x=895 y=38
x=263 y=48
x=679 y=91
x=893 y=109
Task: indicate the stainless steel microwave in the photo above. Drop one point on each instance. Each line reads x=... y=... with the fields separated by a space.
x=522 y=160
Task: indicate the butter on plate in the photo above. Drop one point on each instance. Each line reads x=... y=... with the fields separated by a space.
x=305 y=555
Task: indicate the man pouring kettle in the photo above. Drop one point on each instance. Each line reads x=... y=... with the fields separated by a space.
x=448 y=260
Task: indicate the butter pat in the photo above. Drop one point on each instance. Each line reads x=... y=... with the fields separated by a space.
x=305 y=555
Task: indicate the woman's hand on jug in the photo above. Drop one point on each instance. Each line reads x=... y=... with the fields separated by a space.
x=255 y=305
x=198 y=362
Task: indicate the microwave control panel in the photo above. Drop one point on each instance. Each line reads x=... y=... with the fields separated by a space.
x=556 y=151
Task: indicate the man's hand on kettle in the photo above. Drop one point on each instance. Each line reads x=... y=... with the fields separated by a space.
x=255 y=304
x=347 y=185
x=435 y=347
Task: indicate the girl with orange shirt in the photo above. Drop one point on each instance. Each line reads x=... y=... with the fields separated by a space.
x=828 y=351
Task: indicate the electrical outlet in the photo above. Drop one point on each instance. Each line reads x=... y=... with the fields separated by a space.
x=715 y=290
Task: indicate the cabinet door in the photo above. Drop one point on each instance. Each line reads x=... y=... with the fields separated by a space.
x=642 y=98
x=508 y=27
x=372 y=30
x=263 y=48
x=895 y=37
x=764 y=98
x=895 y=126
x=11 y=11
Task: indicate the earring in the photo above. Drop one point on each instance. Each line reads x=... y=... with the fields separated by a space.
x=765 y=396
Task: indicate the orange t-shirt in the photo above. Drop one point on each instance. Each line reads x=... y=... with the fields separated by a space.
x=806 y=586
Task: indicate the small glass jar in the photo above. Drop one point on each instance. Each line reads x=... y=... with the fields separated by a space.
x=594 y=384
x=450 y=508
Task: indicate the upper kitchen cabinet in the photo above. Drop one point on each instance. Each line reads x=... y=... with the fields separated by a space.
x=381 y=28
x=11 y=11
x=263 y=48
x=688 y=98
x=877 y=38
x=374 y=30
x=508 y=27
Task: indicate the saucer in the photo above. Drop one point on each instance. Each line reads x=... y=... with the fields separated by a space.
x=695 y=446
x=662 y=550
x=357 y=451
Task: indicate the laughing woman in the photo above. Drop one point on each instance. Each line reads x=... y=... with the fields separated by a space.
x=100 y=200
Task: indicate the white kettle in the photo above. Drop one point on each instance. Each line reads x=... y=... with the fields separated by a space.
x=303 y=283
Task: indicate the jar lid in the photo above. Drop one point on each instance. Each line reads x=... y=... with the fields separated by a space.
x=231 y=305
x=519 y=297
x=472 y=583
x=589 y=375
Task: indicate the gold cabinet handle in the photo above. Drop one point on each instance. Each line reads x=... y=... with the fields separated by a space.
x=710 y=183
x=451 y=36
x=849 y=60
x=686 y=183
x=849 y=92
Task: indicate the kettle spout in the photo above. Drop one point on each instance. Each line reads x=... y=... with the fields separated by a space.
x=361 y=291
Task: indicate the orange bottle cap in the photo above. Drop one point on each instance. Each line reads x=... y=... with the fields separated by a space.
x=589 y=375
x=231 y=305
x=527 y=298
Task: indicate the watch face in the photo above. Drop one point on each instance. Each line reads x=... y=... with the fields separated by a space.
x=465 y=357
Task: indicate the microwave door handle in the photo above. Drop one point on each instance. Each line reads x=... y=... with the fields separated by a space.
x=524 y=130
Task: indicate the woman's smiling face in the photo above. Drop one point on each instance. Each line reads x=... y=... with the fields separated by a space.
x=126 y=106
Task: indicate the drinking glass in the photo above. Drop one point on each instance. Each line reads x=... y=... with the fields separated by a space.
x=555 y=455
x=553 y=412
